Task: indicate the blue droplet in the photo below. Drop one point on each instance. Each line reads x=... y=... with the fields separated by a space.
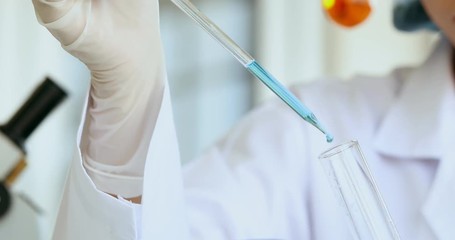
x=329 y=137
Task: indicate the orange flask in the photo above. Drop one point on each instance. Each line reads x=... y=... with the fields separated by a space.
x=347 y=13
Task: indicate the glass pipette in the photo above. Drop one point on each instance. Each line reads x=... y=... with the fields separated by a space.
x=250 y=63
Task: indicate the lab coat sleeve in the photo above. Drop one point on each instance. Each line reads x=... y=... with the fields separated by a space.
x=88 y=213
x=252 y=184
x=263 y=180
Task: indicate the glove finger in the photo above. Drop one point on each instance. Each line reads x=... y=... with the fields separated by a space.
x=65 y=19
x=52 y=10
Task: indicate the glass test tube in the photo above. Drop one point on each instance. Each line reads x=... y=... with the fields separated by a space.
x=357 y=192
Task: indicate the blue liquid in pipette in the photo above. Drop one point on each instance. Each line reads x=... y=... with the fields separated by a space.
x=287 y=97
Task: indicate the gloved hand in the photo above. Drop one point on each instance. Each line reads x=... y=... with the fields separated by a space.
x=119 y=41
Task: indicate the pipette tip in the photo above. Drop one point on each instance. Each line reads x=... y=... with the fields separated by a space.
x=329 y=137
x=315 y=122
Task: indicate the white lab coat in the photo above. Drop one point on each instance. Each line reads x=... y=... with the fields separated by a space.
x=264 y=181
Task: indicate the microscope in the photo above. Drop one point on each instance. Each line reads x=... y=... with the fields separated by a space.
x=13 y=135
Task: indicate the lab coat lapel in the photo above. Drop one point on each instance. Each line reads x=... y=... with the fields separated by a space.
x=410 y=128
x=421 y=125
x=439 y=208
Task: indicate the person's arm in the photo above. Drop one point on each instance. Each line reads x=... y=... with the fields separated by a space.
x=119 y=41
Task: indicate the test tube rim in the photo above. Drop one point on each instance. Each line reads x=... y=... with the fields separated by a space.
x=338 y=149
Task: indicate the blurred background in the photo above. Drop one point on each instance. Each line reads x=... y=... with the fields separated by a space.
x=210 y=90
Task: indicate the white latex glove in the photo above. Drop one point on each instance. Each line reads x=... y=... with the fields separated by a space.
x=119 y=41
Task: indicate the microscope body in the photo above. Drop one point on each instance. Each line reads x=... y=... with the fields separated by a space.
x=18 y=214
